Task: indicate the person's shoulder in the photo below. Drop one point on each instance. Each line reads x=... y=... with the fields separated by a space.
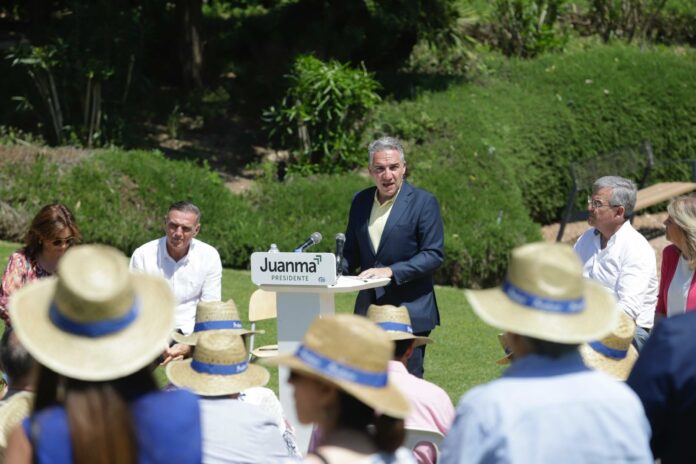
x=586 y=236
x=677 y=330
x=630 y=238
x=670 y=251
x=365 y=194
x=433 y=390
x=204 y=247
x=408 y=187
x=152 y=244
x=235 y=409
x=178 y=397
x=482 y=396
x=19 y=254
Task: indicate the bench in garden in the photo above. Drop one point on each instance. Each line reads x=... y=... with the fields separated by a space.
x=635 y=163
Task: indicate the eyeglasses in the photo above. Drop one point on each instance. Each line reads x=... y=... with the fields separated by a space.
x=596 y=204
x=70 y=241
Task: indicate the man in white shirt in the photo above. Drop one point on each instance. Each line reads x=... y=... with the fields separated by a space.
x=192 y=268
x=617 y=256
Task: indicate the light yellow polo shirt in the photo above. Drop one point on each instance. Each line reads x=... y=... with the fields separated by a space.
x=378 y=218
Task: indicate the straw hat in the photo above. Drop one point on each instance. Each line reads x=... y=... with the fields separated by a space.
x=12 y=412
x=352 y=353
x=396 y=322
x=95 y=320
x=614 y=354
x=220 y=366
x=545 y=296
x=213 y=316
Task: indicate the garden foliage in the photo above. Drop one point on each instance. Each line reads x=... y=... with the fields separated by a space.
x=120 y=199
x=538 y=116
x=322 y=115
x=526 y=28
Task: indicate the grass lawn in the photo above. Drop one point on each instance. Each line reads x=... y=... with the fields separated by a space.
x=462 y=356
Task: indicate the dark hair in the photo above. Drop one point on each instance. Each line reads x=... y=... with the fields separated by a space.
x=401 y=346
x=389 y=432
x=184 y=207
x=15 y=359
x=50 y=220
x=550 y=349
x=99 y=416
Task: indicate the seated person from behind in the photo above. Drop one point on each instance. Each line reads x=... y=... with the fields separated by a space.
x=431 y=407
x=548 y=398
x=233 y=430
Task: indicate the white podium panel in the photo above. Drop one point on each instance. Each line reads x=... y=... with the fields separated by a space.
x=295 y=269
x=298 y=306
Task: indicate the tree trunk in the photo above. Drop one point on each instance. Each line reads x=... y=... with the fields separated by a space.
x=190 y=15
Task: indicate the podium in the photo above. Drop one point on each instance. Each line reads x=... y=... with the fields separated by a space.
x=301 y=296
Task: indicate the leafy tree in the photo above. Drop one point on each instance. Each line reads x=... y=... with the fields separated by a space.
x=323 y=114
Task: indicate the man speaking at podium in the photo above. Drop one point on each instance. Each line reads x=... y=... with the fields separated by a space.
x=395 y=230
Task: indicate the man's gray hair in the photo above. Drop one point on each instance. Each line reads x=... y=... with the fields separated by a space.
x=623 y=192
x=184 y=207
x=386 y=143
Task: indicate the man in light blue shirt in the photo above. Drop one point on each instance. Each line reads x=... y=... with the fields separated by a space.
x=548 y=407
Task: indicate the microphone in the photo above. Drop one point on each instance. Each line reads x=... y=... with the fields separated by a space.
x=312 y=240
x=340 y=241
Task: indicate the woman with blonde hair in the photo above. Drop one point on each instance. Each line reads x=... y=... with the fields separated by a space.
x=339 y=375
x=677 y=293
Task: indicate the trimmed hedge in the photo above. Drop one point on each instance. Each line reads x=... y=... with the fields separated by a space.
x=120 y=199
x=540 y=115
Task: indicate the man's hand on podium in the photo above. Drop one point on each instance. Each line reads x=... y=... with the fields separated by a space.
x=376 y=273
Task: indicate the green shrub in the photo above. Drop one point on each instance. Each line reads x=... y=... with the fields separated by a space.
x=626 y=19
x=540 y=115
x=526 y=28
x=321 y=117
x=120 y=198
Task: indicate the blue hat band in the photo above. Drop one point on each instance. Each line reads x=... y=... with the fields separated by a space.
x=396 y=326
x=217 y=325
x=340 y=371
x=219 y=369
x=540 y=303
x=93 y=328
x=606 y=351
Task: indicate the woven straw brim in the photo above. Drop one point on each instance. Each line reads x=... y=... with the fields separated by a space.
x=105 y=357
x=418 y=340
x=182 y=375
x=192 y=339
x=505 y=360
x=597 y=320
x=387 y=400
x=12 y=412
x=267 y=351
x=617 y=368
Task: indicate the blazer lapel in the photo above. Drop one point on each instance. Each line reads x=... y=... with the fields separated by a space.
x=366 y=210
x=400 y=206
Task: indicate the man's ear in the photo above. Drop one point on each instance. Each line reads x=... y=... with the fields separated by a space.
x=197 y=229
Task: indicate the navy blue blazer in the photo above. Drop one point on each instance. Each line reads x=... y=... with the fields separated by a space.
x=664 y=377
x=412 y=245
